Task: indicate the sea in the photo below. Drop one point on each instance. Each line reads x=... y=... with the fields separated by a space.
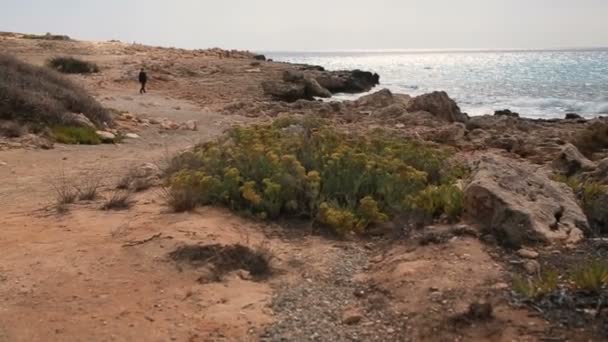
x=535 y=83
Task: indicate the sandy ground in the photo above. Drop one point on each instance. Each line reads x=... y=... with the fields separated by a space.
x=93 y=275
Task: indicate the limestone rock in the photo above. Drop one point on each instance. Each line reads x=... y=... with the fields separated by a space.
x=570 y=161
x=132 y=136
x=379 y=99
x=439 y=104
x=521 y=205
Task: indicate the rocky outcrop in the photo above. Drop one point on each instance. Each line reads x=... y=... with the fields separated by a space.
x=355 y=81
x=570 y=161
x=439 y=104
x=259 y=57
x=521 y=205
x=574 y=116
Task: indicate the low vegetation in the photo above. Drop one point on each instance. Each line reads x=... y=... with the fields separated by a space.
x=592 y=140
x=592 y=198
x=305 y=168
x=590 y=277
x=47 y=36
x=71 y=65
x=75 y=135
x=224 y=259
x=42 y=97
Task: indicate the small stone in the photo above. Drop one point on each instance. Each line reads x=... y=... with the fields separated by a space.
x=106 y=136
x=399 y=125
x=132 y=136
x=501 y=286
x=532 y=267
x=352 y=317
x=527 y=253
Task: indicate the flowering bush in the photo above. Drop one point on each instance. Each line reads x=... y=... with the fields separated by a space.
x=308 y=169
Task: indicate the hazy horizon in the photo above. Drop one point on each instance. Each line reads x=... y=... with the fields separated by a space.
x=278 y=26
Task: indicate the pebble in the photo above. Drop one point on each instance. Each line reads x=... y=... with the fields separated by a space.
x=528 y=253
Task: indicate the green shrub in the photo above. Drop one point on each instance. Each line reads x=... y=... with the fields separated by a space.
x=592 y=198
x=75 y=135
x=307 y=169
x=71 y=65
x=435 y=201
x=535 y=288
x=40 y=96
x=591 y=277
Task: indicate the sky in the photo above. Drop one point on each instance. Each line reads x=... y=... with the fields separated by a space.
x=319 y=25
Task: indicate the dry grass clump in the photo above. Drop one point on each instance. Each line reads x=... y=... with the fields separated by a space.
x=308 y=169
x=71 y=65
x=224 y=259
x=119 y=200
x=592 y=140
x=42 y=97
x=11 y=129
x=592 y=277
x=592 y=197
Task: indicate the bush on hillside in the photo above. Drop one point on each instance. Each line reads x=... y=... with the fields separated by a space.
x=43 y=97
x=71 y=65
x=307 y=169
x=47 y=36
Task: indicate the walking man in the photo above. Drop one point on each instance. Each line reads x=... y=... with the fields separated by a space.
x=143 y=79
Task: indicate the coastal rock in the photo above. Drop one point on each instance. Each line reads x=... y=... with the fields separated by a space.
x=439 y=104
x=259 y=57
x=314 y=89
x=597 y=213
x=521 y=205
x=570 y=161
x=506 y=112
x=355 y=81
x=573 y=116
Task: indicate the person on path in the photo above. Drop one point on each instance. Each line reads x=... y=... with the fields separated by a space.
x=143 y=79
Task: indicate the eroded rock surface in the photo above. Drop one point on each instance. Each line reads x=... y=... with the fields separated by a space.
x=520 y=204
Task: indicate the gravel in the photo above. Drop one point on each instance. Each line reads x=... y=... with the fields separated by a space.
x=313 y=309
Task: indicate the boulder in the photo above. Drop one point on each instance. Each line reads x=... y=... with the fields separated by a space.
x=259 y=57
x=379 y=99
x=506 y=112
x=169 y=125
x=521 y=205
x=439 y=104
x=570 y=161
